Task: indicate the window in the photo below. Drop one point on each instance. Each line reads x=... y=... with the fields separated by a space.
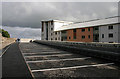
x=83 y=30
x=74 y=30
x=89 y=36
x=51 y=39
x=64 y=31
x=42 y=26
x=110 y=27
x=102 y=35
x=55 y=38
x=51 y=22
x=110 y=42
x=74 y=37
x=88 y=29
x=110 y=35
x=96 y=28
x=69 y=37
x=51 y=29
x=55 y=33
x=65 y=38
x=83 y=37
x=46 y=24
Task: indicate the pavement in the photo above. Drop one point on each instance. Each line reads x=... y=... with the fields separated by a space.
x=14 y=65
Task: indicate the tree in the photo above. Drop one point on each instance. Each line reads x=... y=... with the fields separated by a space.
x=5 y=33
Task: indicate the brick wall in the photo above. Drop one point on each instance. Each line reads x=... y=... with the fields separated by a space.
x=79 y=34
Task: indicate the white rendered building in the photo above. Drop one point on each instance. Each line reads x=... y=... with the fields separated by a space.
x=49 y=29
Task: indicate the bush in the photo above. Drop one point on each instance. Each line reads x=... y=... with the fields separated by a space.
x=5 y=33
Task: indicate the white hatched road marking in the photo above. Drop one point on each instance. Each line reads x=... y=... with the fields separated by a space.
x=48 y=55
x=41 y=70
x=58 y=60
x=42 y=53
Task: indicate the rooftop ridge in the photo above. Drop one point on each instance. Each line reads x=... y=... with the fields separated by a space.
x=95 y=19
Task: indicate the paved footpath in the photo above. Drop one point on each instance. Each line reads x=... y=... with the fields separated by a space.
x=13 y=64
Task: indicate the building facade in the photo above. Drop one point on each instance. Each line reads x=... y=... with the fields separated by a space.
x=109 y=33
x=80 y=34
x=99 y=30
x=49 y=27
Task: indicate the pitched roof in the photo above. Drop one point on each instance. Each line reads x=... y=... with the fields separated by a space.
x=91 y=23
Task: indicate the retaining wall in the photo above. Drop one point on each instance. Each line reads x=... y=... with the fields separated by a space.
x=101 y=50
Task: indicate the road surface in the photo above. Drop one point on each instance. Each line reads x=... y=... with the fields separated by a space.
x=45 y=61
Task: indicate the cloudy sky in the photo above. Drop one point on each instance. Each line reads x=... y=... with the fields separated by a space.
x=26 y=16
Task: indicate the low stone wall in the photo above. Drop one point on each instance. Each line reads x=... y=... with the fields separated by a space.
x=6 y=41
x=101 y=50
x=25 y=40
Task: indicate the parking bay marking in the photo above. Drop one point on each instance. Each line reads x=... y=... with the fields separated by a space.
x=48 y=55
x=42 y=53
x=84 y=66
x=58 y=60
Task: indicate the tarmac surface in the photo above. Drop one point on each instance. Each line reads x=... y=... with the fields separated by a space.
x=13 y=64
x=27 y=60
x=47 y=62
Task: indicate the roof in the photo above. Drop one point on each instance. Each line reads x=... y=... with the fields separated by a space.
x=57 y=21
x=91 y=23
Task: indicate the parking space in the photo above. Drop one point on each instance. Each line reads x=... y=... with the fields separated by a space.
x=45 y=61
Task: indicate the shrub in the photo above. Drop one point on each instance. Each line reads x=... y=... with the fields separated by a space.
x=5 y=33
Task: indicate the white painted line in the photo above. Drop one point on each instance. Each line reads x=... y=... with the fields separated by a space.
x=30 y=53
x=42 y=53
x=5 y=50
x=48 y=55
x=58 y=60
x=74 y=67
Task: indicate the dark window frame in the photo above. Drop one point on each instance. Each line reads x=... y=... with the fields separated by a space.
x=55 y=33
x=69 y=37
x=110 y=27
x=110 y=35
x=51 y=22
x=88 y=29
x=89 y=36
x=83 y=30
x=83 y=36
x=74 y=30
x=96 y=28
x=103 y=36
x=42 y=26
x=51 y=29
x=74 y=37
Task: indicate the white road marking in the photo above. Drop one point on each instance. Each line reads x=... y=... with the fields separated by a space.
x=74 y=67
x=42 y=53
x=48 y=55
x=3 y=52
x=30 y=53
x=58 y=60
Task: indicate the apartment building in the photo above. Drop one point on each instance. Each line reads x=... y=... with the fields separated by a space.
x=49 y=29
x=109 y=33
x=99 y=30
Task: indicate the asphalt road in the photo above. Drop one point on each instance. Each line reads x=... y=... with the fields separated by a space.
x=13 y=64
x=48 y=62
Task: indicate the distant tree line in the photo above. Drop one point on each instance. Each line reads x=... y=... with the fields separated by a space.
x=4 y=33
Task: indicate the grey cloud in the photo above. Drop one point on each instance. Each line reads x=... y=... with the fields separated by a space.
x=23 y=32
x=26 y=14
